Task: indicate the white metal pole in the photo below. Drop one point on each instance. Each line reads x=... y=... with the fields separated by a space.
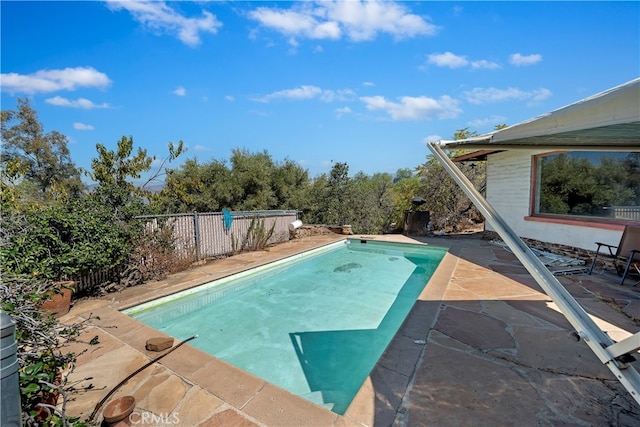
x=599 y=342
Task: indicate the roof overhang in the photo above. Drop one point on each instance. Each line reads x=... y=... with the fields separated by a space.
x=608 y=121
x=475 y=156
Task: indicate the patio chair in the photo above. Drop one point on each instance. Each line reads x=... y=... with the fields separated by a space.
x=626 y=251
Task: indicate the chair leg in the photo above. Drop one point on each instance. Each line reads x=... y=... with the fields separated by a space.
x=626 y=270
x=593 y=263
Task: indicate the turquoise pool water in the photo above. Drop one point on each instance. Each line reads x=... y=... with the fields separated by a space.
x=314 y=324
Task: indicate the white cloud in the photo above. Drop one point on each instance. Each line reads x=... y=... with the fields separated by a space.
x=363 y=20
x=299 y=93
x=180 y=91
x=368 y=84
x=296 y=23
x=485 y=65
x=451 y=60
x=432 y=138
x=488 y=121
x=411 y=108
x=519 y=60
x=230 y=98
x=541 y=94
x=447 y=59
x=53 y=80
x=491 y=95
x=337 y=95
x=331 y=20
x=342 y=111
x=78 y=103
x=309 y=92
x=82 y=126
x=159 y=17
x=201 y=148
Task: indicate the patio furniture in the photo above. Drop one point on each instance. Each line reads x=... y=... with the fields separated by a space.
x=625 y=251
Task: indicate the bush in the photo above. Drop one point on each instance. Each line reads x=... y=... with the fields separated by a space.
x=41 y=338
x=153 y=257
x=59 y=242
x=257 y=236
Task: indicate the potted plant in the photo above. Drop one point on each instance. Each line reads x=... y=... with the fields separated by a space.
x=57 y=300
x=41 y=339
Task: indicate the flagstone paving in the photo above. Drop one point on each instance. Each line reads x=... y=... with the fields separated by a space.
x=483 y=345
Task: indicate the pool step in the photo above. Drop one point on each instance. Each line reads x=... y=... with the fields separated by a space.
x=316 y=397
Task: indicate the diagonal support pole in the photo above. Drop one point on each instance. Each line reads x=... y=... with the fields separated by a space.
x=600 y=343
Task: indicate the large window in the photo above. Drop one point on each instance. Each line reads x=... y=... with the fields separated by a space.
x=603 y=185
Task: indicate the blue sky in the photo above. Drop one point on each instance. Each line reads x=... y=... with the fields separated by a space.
x=366 y=83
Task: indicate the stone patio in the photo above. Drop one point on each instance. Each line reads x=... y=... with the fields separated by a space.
x=483 y=345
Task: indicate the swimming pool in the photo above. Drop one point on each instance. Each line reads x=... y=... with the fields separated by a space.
x=314 y=324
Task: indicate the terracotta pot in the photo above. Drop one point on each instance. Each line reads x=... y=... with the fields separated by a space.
x=59 y=303
x=118 y=410
x=49 y=398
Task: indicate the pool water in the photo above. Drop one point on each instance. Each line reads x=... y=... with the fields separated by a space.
x=314 y=325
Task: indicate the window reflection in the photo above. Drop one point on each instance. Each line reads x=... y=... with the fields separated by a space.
x=589 y=184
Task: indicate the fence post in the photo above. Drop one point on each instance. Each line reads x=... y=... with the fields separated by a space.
x=196 y=234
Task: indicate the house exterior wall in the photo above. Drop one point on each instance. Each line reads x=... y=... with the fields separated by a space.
x=509 y=192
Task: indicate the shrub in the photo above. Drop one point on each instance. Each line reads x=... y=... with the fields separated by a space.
x=44 y=363
x=58 y=242
x=256 y=238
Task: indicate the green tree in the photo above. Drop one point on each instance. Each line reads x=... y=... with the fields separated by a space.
x=315 y=210
x=464 y=134
x=118 y=168
x=196 y=187
x=252 y=174
x=371 y=202
x=290 y=184
x=338 y=203
x=405 y=188
x=449 y=207
x=402 y=174
x=632 y=180
x=35 y=165
x=253 y=181
x=570 y=184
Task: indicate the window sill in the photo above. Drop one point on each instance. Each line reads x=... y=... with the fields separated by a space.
x=606 y=225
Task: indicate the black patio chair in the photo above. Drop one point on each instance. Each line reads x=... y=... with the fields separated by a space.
x=626 y=251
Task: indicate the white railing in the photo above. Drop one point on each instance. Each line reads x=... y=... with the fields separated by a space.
x=206 y=235
x=624 y=212
x=199 y=236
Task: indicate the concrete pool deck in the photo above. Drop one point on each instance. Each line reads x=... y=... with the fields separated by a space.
x=483 y=345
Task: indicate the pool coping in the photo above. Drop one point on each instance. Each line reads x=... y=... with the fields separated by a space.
x=378 y=399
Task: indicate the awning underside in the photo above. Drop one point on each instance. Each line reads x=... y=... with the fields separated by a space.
x=608 y=121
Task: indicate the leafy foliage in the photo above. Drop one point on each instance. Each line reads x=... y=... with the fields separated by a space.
x=407 y=185
x=34 y=164
x=449 y=207
x=117 y=168
x=252 y=181
x=43 y=358
x=256 y=238
x=575 y=185
x=58 y=242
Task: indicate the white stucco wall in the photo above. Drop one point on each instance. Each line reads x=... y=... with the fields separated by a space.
x=508 y=191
